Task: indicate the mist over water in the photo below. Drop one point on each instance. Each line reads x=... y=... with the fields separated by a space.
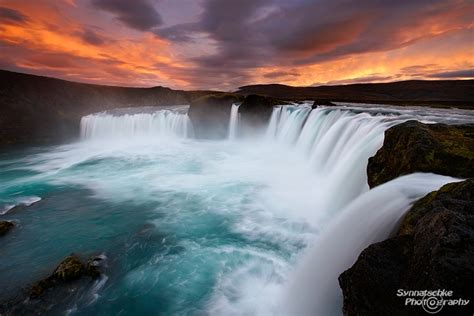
x=253 y=226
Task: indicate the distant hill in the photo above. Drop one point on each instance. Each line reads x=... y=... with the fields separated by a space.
x=35 y=109
x=457 y=93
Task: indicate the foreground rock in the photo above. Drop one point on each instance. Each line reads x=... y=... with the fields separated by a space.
x=417 y=147
x=434 y=249
x=72 y=282
x=70 y=269
x=5 y=227
x=210 y=115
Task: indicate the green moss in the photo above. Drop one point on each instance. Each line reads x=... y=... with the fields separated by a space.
x=69 y=269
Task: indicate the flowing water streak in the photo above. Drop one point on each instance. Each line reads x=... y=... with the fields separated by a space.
x=234 y=121
x=313 y=289
x=337 y=144
x=166 y=123
x=272 y=126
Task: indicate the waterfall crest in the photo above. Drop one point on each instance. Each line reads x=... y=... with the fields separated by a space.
x=166 y=123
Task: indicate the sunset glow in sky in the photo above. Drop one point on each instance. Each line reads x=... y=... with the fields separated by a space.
x=224 y=44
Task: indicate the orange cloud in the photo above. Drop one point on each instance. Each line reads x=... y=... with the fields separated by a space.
x=71 y=40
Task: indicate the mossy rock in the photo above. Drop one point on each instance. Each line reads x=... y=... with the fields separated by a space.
x=416 y=147
x=5 y=227
x=70 y=269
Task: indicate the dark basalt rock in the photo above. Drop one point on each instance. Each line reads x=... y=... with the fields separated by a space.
x=256 y=109
x=5 y=227
x=210 y=115
x=70 y=269
x=324 y=102
x=416 y=147
x=434 y=249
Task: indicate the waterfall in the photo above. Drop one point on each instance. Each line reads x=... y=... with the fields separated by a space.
x=138 y=125
x=302 y=187
x=234 y=121
x=274 y=119
x=337 y=145
x=370 y=218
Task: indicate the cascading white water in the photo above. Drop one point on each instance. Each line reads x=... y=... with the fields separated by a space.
x=234 y=121
x=166 y=123
x=337 y=144
x=274 y=119
x=370 y=218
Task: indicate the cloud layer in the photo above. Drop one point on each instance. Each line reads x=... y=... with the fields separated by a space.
x=222 y=44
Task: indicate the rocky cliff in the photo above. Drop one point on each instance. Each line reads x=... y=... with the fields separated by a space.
x=434 y=246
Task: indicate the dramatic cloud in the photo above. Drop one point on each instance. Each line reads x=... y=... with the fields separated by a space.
x=137 y=14
x=468 y=73
x=91 y=37
x=223 y=44
x=8 y=15
x=279 y=74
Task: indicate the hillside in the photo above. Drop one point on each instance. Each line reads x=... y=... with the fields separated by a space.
x=457 y=93
x=36 y=109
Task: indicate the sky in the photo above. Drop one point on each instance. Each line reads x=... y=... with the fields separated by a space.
x=224 y=44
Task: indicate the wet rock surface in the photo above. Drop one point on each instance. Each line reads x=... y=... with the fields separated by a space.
x=416 y=147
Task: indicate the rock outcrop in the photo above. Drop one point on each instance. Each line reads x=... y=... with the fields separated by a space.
x=434 y=249
x=256 y=109
x=210 y=115
x=70 y=269
x=5 y=227
x=416 y=147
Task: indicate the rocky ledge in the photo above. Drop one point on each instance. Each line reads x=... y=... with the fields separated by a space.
x=416 y=147
x=434 y=249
